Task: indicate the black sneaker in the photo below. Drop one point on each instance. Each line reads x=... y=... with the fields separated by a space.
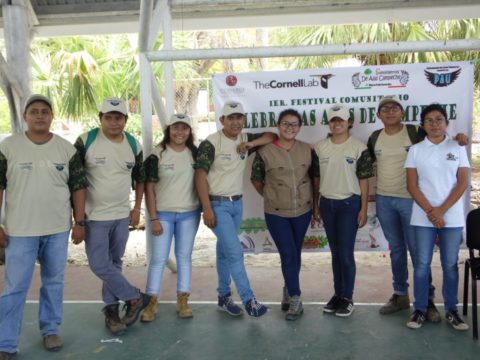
x=456 y=321
x=226 y=303
x=416 y=319
x=345 y=308
x=332 y=304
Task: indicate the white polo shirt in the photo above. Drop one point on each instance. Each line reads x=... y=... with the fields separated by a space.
x=437 y=166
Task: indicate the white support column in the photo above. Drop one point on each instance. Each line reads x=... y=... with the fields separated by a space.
x=17 y=44
x=168 y=65
x=148 y=86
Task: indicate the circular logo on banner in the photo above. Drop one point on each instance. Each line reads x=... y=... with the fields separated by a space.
x=231 y=80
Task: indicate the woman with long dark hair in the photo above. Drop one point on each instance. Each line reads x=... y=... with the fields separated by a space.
x=174 y=211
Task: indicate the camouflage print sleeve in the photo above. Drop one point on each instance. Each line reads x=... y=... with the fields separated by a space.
x=258 y=169
x=3 y=171
x=77 y=177
x=151 y=169
x=80 y=146
x=314 y=170
x=252 y=137
x=205 y=156
x=138 y=171
x=364 y=165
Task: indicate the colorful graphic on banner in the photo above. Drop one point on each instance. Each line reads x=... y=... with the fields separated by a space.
x=311 y=92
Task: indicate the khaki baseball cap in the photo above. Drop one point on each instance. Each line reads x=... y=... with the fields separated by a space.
x=114 y=104
x=389 y=99
x=37 y=97
x=339 y=111
x=180 y=118
x=232 y=107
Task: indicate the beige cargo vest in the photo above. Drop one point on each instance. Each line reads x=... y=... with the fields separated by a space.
x=288 y=188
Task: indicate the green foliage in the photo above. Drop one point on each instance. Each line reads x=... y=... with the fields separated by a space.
x=5 y=126
x=253 y=225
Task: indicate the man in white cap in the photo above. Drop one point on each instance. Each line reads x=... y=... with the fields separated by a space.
x=389 y=147
x=39 y=173
x=114 y=163
x=219 y=181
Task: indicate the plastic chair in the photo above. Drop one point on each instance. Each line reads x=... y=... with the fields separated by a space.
x=472 y=266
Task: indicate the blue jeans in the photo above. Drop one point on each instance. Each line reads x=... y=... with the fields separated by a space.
x=228 y=215
x=394 y=214
x=184 y=226
x=20 y=256
x=450 y=239
x=340 y=222
x=288 y=235
x=105 y=243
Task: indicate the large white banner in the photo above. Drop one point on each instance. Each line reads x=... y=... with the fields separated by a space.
x=311 y=92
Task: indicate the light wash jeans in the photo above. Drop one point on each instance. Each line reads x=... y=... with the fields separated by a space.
x=20 y=256
x=228 y=215
x=105 y=243
x=394 y=214
x=183 y=226
x=450 y=239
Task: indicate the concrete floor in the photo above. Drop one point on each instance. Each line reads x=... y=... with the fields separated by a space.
x=215 y=335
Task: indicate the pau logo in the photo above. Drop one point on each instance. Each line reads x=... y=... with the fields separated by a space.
x=442 y=76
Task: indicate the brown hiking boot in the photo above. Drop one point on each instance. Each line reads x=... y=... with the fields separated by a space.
x=183 y=311
x=150 y=311
x=52 y=342
x=134 y=307
x=112 y=319
x=395 y=303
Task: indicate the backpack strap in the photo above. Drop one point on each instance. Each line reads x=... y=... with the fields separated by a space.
x=92 y=135
x=372 y=140
x=133 y=143
x=416 y=134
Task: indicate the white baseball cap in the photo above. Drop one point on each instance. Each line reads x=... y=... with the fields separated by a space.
x=339 y=111
x=232 y=107
x=182 y=118
x=114 y=104
x=37 y=97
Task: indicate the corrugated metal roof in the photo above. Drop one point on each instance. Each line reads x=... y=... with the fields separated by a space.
x=84 y=16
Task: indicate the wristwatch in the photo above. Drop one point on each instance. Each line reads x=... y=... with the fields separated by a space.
x=81 y=223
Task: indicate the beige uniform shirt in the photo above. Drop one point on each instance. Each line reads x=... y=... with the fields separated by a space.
x=37 y=196
x=175 y=189
x=338 y=167
x=109 y=172
x=391 y=152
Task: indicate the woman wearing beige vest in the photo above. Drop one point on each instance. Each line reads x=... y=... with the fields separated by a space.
x=282 y=173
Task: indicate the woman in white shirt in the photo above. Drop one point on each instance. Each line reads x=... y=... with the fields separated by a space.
x=437 y=177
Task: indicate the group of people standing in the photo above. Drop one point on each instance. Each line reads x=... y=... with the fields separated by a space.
x=44 y=178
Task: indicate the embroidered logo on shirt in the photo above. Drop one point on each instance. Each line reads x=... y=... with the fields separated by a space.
x=129 y=164
x=100 y=160
x=59 y=166
x=350 y=160
x=26 y=166
x=451 y=157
